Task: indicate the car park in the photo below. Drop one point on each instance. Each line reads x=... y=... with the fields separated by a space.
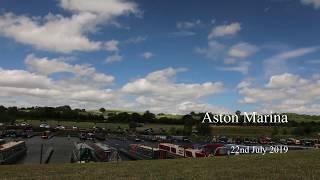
x=60 y=127
x=24 y=124
x=44 y=125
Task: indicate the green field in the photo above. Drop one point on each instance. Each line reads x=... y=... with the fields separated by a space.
x=247 y=130
x=230 y=131
x=293 y=165
x=53 y=123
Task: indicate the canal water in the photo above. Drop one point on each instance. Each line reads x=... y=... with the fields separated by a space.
x=62 y=147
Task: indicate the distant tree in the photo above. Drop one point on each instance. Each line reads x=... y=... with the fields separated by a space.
x=2 y=109
x=188 y=123
x=132 y=125
x=122 y=117
x=136 y=117
x=275 y=131
x=12 y=110
x=149 y=117
x=284 y=131
x=204 y=129
x=241 y=118
x=103 y=110
x=5 y=118
x=172 y=131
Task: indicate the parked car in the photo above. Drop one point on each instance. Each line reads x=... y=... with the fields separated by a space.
x=83 y=136
x=44 y=125
x=45 y=135
x=60 y=127
x=137 y=140
x=1 y=124
x=24 y=124
x=74 y=127
x=90 y=136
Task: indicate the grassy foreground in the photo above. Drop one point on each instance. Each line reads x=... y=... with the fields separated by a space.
x=293 y=165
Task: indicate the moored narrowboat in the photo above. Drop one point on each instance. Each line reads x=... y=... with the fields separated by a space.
x=11 y=152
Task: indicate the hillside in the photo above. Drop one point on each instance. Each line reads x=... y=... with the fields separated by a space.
x=294 y=165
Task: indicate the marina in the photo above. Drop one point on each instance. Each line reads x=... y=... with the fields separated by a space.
x=76 y=149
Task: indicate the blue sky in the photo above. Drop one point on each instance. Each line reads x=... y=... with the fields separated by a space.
x=163 y=56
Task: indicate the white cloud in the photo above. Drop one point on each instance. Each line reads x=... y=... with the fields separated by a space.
x=213 y=51
x=182 y=33
x=112 y=45
x=230 y=56
x=185 y=28
x=277 y=64
x=147 y=55
x=188 y=24
x=25 y=88
x=57 y=33
x=295 y=53
x=136 y=40
x=159 y=92
x=102 y=78
x=241 y=67
x=314 y=3
x=224 y=30
x=285 y=80
x=314 y=61
x=229 y=61
x=283 y=93
x=45 y=66
x=187 y=107
x=65 y=34
x=108 y=8
x=114 y=58
x=23 y=79
x=242 y=50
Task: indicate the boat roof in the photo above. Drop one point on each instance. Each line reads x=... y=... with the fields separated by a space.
x=103 y=146
x=171 y=145
x=83 y=146
x=10 y=145
x=148 y=147
x=193 y=150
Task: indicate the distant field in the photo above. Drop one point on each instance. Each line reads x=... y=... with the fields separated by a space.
x=53 y=123
x=231 y=131
x=246 y=130
x=293 y=165
x=158 y=116
x=216 y=130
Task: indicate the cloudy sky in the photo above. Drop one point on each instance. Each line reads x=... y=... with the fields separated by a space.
x=161 y=55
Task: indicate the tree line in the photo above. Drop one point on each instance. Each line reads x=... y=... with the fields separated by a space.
x=43 y=113
x=8 y=114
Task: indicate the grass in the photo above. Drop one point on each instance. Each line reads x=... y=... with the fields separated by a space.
x=293 y=165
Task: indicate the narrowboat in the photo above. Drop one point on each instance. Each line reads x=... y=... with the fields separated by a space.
x=85 y=152
x=82 y=153
x=140 y=152
x=11 y=152
x=176 y=151
x=46 y=135
x=104 y=153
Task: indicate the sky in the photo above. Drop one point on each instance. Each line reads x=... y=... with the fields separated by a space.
x=165 y=56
